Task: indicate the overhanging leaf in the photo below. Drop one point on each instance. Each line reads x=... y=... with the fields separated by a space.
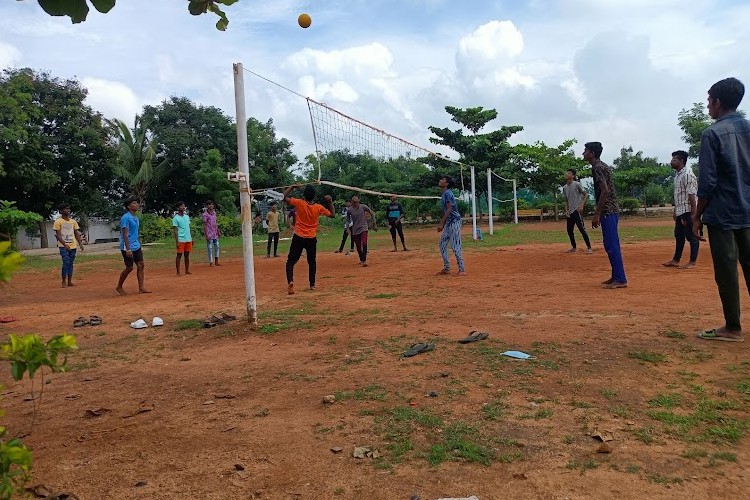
x=103 y=6
x=55 y=7
x=197 y=7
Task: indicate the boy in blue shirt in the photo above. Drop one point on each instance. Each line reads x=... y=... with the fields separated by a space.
x=450 y=226
x=395 y=218
x=130 y=246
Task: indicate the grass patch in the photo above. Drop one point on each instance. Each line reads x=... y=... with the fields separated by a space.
x=373 y=392
x=609 y=393
x=459 y=443
x=189 y=324
x=665 y=401
x=657 y=479
x=708 y=421
x=582 y=466
x=537 y=415
x=633 y=469
x=672 y=334
x=644 y=435
x=648 y=356
x=495 y=410
x=383 y=296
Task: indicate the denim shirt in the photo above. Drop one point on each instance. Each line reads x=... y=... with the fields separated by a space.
x=724 y=175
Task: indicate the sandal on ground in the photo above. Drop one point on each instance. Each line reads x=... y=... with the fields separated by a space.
x=95 y=320
x=77 y=323
x=712 y=335
x=418 y=349
x=217 y=320
x=228 y=317
x=474 y=337
x=443 y=272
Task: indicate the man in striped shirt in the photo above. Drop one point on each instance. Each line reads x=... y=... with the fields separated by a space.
x=685 y=203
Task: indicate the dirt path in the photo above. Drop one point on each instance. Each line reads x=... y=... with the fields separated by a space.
x=181 y=407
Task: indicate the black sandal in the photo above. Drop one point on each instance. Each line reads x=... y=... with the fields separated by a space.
x=418 y=349
x=474 y=337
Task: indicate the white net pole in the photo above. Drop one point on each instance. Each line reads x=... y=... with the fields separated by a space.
x=489 y=199
x=246 y=204
x=515 y=203
x=473 y=205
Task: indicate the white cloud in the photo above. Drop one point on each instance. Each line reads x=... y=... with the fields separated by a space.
x=496 y=41
x=112 y=99
x=354 y=62
x=9 y=56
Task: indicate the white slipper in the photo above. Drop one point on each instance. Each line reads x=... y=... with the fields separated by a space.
x=139 y=324
x=157 y=321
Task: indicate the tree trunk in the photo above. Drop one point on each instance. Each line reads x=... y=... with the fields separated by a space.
x=44 y=242
x=557 y=217
x=645 y=206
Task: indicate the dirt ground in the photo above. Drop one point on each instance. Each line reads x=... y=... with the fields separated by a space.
x=228 y=412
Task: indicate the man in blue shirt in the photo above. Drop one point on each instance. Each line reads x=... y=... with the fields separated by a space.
x=450 y=226
x=724 y=200
x=130 y=246
x=395 y=218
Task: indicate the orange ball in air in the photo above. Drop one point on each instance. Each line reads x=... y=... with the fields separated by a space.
x=304 y=20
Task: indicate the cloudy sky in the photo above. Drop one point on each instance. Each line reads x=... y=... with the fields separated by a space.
x=617 y=71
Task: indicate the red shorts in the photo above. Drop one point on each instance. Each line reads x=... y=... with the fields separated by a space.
x=185 y=247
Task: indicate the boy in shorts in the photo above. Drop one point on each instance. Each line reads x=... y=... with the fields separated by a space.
x=182 y=237
x=130 y=246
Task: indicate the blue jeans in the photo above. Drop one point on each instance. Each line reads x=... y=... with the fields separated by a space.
x=611 y=239
x=452 y=233
x=68 y=256
x=212 y=246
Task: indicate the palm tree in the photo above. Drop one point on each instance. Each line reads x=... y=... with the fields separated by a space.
x=136 y=158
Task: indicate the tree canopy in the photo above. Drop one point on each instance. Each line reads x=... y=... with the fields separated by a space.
x=78 y=10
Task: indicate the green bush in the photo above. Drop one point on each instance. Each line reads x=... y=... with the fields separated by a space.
x=546 y=206
x=630 y=205
x=228 y=225
x=155 y=228
x=655 y=195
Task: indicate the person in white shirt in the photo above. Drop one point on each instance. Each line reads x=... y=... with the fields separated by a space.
x=575 y=197
x=685 y=204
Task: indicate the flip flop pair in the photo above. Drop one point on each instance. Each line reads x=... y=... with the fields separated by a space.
x=418 y=348
x=91 y=320
x=474 y=337
x=218 y=320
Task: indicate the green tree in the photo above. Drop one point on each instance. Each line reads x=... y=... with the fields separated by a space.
x=211 y=182
x=53 y=147
x=12 y=219
x=634 y=173
x=270 y=158
x=78 y=10
x=488 y=150
x=542 y=168
x=185 y=132
x=137 y=164
x=693 y=122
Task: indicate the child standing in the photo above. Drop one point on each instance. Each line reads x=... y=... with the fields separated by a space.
x=68 y=241
x=182 y=237
x=273 y=230
x=212 y=232
x=347 y=225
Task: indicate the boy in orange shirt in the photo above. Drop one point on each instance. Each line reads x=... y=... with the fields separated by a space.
x=305 y=231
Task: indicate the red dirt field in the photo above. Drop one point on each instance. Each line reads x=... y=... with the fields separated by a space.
x=178 y=412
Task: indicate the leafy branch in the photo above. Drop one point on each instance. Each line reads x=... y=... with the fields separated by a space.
x=78 y=10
